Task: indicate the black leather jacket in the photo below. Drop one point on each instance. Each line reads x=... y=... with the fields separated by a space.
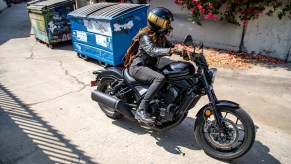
x=149 y=53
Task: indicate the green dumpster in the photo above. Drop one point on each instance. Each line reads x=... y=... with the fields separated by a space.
x=49 y=20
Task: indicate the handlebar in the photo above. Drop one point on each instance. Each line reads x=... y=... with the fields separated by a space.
x=188 y=53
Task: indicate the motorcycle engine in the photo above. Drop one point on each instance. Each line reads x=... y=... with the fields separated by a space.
x=166 y=107
x=171 y=94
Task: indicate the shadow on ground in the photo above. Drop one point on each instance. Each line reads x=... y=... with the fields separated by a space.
x=170 y=140
x=183 y=136
x=15 y=23
x=66 y=46
x=286 y=66
x=26 y=138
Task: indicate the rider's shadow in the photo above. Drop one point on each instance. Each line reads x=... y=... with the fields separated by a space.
x=171 y=140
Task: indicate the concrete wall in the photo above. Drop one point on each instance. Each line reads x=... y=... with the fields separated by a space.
x=269 y=36
x=3 y=5
x=266 y=35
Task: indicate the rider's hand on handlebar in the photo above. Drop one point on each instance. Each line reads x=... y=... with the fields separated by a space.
x=187 y=52
x=175 y=50
x=183 y=51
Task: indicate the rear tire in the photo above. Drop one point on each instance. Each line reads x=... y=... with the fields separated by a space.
x=243 y=145
x=104 y=86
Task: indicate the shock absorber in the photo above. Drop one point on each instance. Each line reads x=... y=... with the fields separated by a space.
x=117 y=85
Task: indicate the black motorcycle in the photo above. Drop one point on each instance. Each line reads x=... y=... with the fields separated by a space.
x=222 y=128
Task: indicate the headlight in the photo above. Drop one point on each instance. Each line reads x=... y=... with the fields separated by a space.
x=212 y=75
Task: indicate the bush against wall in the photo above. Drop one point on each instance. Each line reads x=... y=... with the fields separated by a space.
x=234 y=11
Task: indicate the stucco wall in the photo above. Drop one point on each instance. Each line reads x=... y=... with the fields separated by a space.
x=269 y=36
x=266 y=35
x=3 y=5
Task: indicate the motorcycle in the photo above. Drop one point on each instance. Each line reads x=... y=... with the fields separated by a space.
x=222 y=128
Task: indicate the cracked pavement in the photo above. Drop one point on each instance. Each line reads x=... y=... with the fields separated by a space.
x=31 y=51
x=47 y=115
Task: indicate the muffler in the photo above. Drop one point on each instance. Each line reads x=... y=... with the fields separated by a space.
x=112 y=102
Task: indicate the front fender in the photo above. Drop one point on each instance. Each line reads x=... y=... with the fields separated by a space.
x=219 y=104
x=109 y=72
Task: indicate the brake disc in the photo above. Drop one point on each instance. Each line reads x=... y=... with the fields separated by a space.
x=220 y=139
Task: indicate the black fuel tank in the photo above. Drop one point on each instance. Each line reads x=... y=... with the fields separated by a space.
x=179 y=68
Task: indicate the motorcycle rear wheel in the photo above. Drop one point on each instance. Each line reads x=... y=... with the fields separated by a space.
x=230 y=146
x=105 y=86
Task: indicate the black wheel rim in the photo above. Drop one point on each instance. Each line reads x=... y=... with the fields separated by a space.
x=238 y=138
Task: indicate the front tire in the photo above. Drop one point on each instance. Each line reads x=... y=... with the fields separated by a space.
x=105 y=86
x=238 y=141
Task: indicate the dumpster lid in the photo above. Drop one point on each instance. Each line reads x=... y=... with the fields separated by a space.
x=33 y=2
x=87 y=10
x=115 y=10
x=49 y=3
x=107 y=11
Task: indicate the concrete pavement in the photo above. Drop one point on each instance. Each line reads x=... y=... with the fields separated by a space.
x=47 y=115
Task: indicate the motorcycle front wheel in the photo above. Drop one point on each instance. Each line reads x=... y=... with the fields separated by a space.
x=236 y=140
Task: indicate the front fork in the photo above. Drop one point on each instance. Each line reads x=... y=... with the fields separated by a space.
x=212 y=99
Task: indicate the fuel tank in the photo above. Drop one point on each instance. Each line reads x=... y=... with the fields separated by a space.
x=179 y=68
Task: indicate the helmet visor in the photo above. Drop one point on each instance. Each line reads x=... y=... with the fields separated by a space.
x=161 y=22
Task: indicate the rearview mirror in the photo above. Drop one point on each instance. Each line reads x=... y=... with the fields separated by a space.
x=201 y=45
x=188 y=40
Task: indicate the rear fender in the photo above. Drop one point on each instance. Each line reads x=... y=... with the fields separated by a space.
x=109 y=72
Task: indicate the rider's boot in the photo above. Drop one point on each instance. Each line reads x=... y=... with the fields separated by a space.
x=141 y=113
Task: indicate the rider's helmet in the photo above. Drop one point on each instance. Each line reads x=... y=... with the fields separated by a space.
x=160 y=19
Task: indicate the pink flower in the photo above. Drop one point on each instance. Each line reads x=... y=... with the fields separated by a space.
x=185 y=5
x=199 y=4
x=245 y=22
x=258 y=11
x=192 y=9
x=214 y=17
x=201 y=10
x=176 y=1
x=209 y=15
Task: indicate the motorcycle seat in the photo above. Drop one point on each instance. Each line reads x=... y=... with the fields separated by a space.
x=128 y=78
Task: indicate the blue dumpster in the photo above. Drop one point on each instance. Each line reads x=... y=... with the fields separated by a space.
x=104 y=31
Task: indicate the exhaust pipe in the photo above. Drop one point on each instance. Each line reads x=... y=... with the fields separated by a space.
x=112 y=102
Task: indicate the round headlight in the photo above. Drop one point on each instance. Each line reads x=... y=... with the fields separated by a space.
x=212 y=74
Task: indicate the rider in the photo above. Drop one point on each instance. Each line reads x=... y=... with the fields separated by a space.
x=152 y=45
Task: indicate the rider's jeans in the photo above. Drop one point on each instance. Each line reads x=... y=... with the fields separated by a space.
x=147 y=75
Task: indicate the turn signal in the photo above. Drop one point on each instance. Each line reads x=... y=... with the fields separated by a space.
x=207 y=113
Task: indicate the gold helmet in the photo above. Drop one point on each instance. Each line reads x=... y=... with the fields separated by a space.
x=160 y=19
